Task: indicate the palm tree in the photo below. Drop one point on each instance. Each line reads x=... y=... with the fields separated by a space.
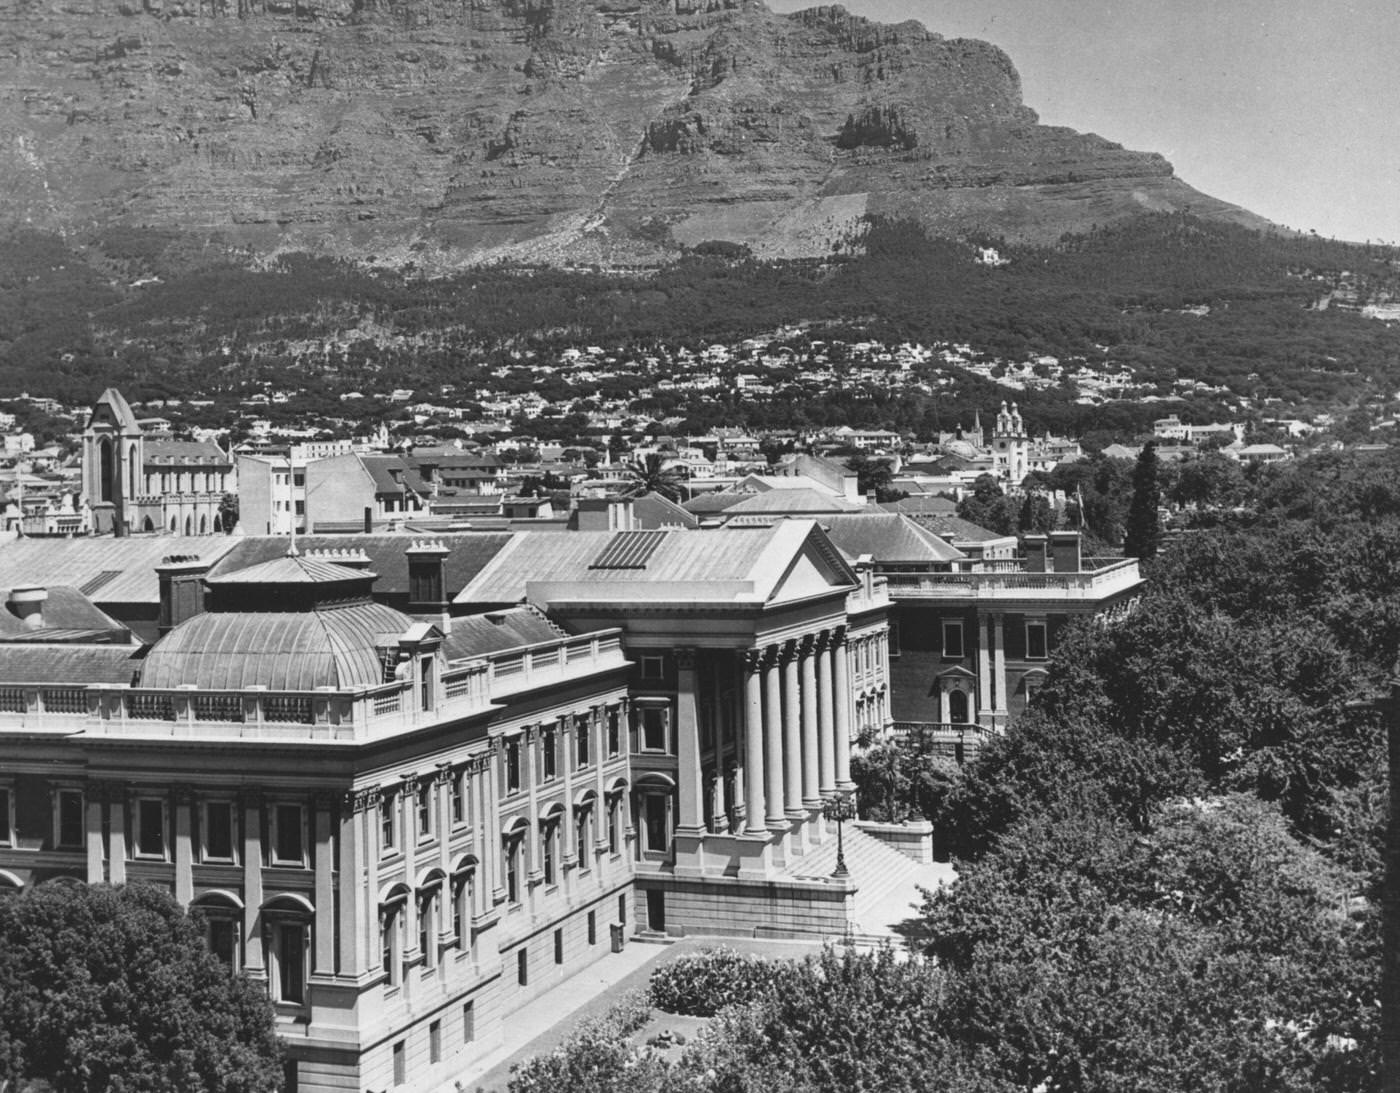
x=651 y=475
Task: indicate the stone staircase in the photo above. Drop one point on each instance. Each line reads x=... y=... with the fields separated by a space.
x=887 y=882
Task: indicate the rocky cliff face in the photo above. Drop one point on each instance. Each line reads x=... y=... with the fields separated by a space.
x=445 y=131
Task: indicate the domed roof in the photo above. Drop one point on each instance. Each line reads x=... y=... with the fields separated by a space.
x=281 y=650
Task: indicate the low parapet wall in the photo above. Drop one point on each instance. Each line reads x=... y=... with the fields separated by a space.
x=913 y=839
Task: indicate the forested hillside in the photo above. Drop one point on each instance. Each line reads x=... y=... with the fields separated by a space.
x=1166 y=298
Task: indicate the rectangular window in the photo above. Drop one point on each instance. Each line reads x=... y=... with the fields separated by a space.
x=388 y=815
x=547 y=754
x=581 y=825
x=894 y=640
x=653 y=667
x=953 y=639
x=400 y=1064
x=425 y=810
x=622 y=909
x=289 y=939
x=522 y=967
x=435 y=1042
x=513 y=870
x=513 y=766
x=581 y=731
x=459 y=797
x=615 y=730
x=150 y=827
x=468 y=1022
x=614 y=808
x=592 y=928
x=1036 y=645
x=218 y=831
x=223 y=940
x=7 y=827
x=288 y=845
x=547 y=840
x=654 y=813
x=558 y=946
x=70 y=818
x=653 y=728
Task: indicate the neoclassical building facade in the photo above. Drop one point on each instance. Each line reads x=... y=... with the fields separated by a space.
x=410 y=821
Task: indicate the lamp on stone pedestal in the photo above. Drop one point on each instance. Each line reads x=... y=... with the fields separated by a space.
x=840 y=808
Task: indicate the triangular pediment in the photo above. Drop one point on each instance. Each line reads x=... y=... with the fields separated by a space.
x=816 y=568
x=954 y=671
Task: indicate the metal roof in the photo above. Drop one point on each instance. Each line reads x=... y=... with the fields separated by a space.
x=73 y=665
x=628 y=550
x=76 y=562
x=495 y=631
x=293 y=569
x=888 y=537
x=283 y=651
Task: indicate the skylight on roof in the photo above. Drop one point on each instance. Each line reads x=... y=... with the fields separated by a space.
x=629 y=550
x=92 y=584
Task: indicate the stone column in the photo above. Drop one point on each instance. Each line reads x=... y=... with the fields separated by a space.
x=720 y=817
x=534 y=871
x=184 y=850
x=773 y=739
x=754 y=822
x=116 y=835
x=408 y=819
x=252 y=886
x=353 y=885
x=323 y=930
x=984 y=674
x=826 y=728
x=792 y=732
x=842 y=698
x=92 y=832
x=999 y=665
x=689 y=777
x=372 y=958
x=811 y=792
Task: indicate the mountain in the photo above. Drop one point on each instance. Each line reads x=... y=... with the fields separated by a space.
x=443 y=132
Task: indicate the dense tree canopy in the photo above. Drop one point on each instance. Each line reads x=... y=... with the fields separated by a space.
x=105 y=989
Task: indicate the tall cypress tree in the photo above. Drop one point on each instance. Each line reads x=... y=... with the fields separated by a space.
x=1144 y=532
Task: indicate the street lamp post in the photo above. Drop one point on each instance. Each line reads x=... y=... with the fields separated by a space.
x=840 y=808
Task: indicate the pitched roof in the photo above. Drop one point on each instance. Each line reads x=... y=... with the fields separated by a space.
x=793 y=501
x=386 y=552
x=495 y=631
x=724 y=565
x=931 y=504
x=106 y=570
x=955 y=529
x=74 y=665
x=888 y=537
x=654 y=511
x=120 y=409
x=164 y=453
x=66 y=610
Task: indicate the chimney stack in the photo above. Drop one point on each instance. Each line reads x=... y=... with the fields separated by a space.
x=181 y=578
x=1066 y=546
x=1036 y=558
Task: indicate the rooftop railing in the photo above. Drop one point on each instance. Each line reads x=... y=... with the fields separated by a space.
x=353 y=715
x=1117 y=574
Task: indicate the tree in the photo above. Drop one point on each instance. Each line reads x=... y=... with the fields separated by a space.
x=652 y=475
x=988 y=506
x=114 y=989
x=1144 y=530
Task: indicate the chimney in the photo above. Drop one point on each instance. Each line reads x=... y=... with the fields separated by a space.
x=181 y=578
x=1036 y=558
x=427 y=586
x=27 y=605
x=606 y=514
x=1065 y=545
x=865 y=570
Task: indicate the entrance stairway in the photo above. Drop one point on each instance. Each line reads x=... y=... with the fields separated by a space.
x=887 y=883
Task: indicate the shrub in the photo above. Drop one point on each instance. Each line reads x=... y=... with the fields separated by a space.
x=702 y=984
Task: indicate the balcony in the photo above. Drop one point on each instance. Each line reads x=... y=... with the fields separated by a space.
x=325 y=715
x=1099 y=579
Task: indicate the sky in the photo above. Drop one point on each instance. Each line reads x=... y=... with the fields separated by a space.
x=1289 y=108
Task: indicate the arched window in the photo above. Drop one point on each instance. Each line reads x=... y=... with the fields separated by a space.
x=429 y=910
x=104 y=468
x=189 y=524
x=957 y=707
x=391 y=928
x=222 y=913
x=288 y=920
x=148 y=525
x=204 y=525
x=463 y=890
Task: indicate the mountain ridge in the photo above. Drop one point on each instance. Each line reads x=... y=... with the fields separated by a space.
x=615 y=132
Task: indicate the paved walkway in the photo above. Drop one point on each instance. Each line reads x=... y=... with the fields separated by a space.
x=542 y=1025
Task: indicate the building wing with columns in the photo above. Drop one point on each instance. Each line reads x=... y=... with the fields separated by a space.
x=410 y=821
x=759 y=655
